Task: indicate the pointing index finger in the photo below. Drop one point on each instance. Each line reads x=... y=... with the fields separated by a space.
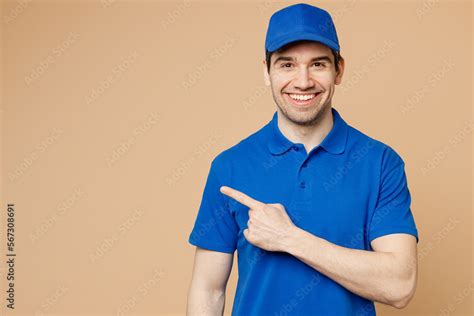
x=241 y=197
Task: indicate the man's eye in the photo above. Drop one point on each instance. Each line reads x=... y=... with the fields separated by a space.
x=286 y=65
x=319 y=64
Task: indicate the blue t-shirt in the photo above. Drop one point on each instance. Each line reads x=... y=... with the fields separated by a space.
x=349 y=190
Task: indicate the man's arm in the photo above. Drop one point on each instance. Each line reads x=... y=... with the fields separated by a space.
x=387 y=275
x=211 y=272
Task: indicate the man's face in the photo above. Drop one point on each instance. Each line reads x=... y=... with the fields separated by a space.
x=303 y=78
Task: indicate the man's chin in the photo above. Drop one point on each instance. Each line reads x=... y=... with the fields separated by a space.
x=309 y=116
x=306 y=118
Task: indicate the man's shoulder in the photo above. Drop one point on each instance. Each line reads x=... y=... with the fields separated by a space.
x=360 y=143
x=249 y=146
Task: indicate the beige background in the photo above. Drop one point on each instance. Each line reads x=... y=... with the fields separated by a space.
x=112 y=111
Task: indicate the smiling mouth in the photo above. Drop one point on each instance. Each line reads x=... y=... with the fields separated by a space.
x=303 y=99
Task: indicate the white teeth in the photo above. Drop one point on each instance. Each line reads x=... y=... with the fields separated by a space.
x=302 y=97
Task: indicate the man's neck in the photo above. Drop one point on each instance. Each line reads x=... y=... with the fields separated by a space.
x=310 y=136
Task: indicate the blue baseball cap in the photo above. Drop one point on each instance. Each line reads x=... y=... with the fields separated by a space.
x=301 y=22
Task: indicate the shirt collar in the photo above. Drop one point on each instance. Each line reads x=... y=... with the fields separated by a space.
x=334 y=142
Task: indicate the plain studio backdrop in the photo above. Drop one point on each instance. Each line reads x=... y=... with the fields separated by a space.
x=112 y=111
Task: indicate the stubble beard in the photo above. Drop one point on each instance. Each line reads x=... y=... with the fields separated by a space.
x=307 y=120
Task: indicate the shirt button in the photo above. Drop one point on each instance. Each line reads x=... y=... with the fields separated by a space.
x=302 y=185
x=296 y=148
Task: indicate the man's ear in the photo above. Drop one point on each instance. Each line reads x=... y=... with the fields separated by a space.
x=266 y=76
x=338 y=79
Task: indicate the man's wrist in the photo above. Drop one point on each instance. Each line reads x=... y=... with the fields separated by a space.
x=296 y=240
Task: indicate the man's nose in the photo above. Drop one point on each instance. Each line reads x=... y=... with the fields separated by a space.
x=304 y=80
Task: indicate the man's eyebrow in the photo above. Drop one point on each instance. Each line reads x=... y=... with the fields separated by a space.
x=287 y=58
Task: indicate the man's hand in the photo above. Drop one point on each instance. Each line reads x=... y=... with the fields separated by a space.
x=269 y=226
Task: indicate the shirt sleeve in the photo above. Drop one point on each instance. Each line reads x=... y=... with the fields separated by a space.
x=392 y=213
x=215 y=227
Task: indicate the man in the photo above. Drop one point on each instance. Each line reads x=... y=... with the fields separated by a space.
x=318 y=212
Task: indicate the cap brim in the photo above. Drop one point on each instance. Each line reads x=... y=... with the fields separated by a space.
x=287 y=39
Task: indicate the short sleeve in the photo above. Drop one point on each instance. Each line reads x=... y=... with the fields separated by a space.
x=392 y=213
x=215 y=227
